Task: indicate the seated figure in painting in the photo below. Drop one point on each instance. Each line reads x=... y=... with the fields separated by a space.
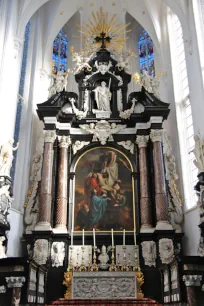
x=97 y=210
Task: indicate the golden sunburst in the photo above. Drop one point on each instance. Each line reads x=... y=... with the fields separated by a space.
x=104 y=29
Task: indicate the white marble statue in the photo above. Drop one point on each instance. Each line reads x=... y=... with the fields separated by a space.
x=52 y=89
x=103 y=258
x=166 y=250
x=81 y=62
x=123 y=64
x=199 y=153
x=149 y=253
x=6 y=157
x=78 y=145
x=102 y=97
x=41 y=251
x=5 y=201
x=57 y=254
x=2 y=248
x=147 y=81
x=32 y=202
x=175 y=208
x=60 y=81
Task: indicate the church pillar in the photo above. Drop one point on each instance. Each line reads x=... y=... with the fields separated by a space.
x=45 y=200
x=159 y=182
x=192 y=281
x=145 y=201
x=61 y=208
x=15 y=282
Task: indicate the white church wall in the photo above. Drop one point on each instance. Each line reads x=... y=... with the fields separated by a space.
x=14 y=248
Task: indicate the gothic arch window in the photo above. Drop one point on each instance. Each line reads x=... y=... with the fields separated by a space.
x=183 y=109
x=146 y=53
x=60 y=52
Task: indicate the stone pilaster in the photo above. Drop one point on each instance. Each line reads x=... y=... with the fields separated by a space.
x=15 y=282
x=61 y=207
x=159 y=180
x=192 y=281
x=45 y=199
x=145 y=200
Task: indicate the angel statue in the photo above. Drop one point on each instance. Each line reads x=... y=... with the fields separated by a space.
x=103 y=97
x=199 y=153
x=81 y=62
x=123 y=64
x=6 y=157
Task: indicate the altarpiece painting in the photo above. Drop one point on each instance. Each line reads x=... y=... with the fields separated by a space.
x=104 y=196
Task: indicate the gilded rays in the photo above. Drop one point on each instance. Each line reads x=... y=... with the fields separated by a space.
x=102 y=26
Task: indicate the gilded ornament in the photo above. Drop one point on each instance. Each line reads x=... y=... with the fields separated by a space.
x=140 y=282
x=68 y=283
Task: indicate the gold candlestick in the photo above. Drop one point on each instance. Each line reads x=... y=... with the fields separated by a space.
x=94 y=266
x=113 y=265
x=124 y=266
x=82 y=267
x=70 y=265
x=135 y=267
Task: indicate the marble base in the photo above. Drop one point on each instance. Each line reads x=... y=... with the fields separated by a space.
x=88 y=285
x=43 y=226
x=101 y=114
x=164 y=226
x=60 y=230
x=147 y=229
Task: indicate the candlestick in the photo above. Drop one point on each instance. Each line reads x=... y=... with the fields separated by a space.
x=135 y=267
x=124 y=237
x=83 y=238
x=94 y=237
x=112 y=238
x=82 y=266
x=135 y=238
x=94 y=266
x=113 y=265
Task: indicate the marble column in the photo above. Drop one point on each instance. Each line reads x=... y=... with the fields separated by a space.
x=45 y=199
x=15 y=282
x=145 y=200
x=159 y=182
x=61 y=207
x=192 y=281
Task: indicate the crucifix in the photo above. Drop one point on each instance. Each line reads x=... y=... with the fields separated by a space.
x=103 y=38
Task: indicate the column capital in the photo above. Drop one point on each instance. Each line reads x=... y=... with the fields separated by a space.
x=142 y=140
x=64 y=141
x=156 y=135
x=15 y=281
x=192 y=280
x=50 y=136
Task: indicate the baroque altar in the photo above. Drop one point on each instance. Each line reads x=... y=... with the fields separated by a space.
x=104 y=167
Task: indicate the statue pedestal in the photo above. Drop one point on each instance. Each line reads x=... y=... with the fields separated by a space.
x=91 y=285
x=101 y=114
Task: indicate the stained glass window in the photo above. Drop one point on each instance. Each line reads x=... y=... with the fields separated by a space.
x=60 y=52
x=20 y=95
x=146 y=53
